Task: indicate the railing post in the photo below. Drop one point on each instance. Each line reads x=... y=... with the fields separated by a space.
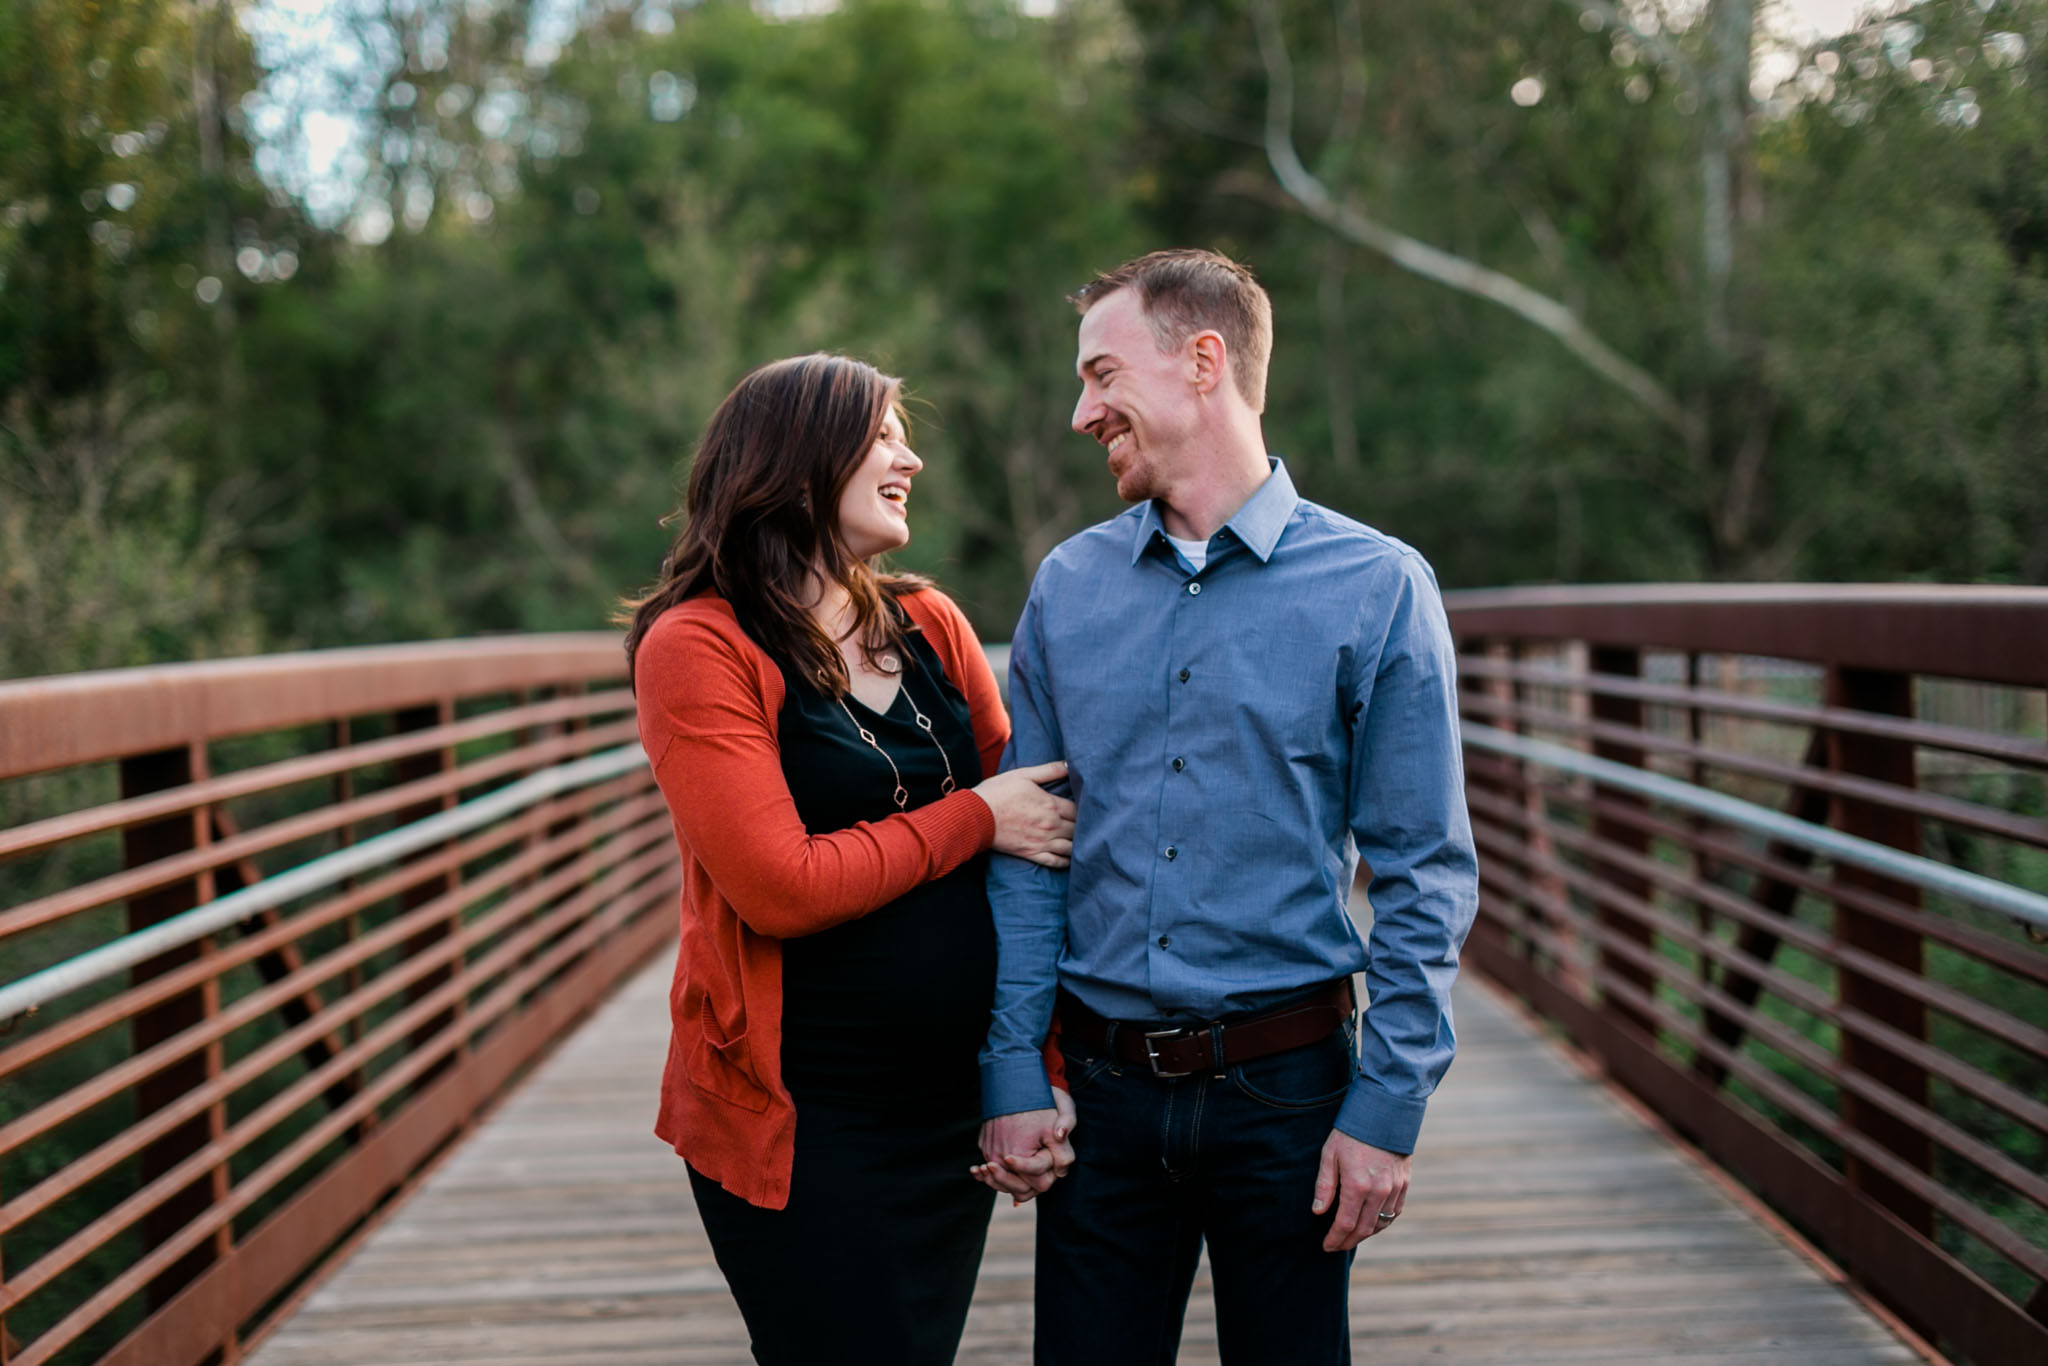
x=143 y=844
x=1552 y=890
x=8 y=1346
x=1622 y=661
x=574 y=725
x=411 y=770
x=1507 y=911
x=1890 y=761
x=343 y=788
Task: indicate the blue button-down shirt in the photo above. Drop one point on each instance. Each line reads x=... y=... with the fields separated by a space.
x=1237 y=738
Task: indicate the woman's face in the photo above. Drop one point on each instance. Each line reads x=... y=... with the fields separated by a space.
x=874 y=507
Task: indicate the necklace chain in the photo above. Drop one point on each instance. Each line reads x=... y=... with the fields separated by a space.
x=924 y=723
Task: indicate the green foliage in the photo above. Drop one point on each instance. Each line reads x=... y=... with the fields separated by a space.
x=466 y=405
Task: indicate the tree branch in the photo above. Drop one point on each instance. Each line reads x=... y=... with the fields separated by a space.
x=1350 y=115
x=533 y=514
x=1434 y=263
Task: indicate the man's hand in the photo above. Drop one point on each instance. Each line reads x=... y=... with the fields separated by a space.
x=1366 y=1182
x=1029 y=1151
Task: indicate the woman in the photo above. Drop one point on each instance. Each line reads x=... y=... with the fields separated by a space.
x=821 y=733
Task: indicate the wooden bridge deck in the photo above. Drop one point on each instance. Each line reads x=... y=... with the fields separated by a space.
x=1548 y=1224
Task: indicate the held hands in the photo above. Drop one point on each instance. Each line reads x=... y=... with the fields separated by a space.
x=1027 y=1152
x=1031 y=823
x=1366 y=1183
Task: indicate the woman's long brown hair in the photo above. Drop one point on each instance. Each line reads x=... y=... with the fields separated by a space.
x=761 y=513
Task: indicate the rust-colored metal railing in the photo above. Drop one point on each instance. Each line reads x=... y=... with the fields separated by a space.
x=1778 y=859
x=275 y=932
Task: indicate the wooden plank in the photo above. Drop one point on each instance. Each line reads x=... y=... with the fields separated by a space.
x=1548 y=1224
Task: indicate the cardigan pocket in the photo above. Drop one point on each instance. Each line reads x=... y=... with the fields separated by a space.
x=722 y=1066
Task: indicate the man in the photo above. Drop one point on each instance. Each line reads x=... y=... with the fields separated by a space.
x=1251 y=692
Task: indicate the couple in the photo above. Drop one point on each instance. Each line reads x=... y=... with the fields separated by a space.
x=1245 y=694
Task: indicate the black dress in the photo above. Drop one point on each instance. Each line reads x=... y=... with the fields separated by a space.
x=874 y=1258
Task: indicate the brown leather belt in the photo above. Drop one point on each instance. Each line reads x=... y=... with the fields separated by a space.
x=1186 y=1049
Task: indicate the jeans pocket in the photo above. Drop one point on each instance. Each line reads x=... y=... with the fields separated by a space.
x=1083 y=1069
x=1305 y=1078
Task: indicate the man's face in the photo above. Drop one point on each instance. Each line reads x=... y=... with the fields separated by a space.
x=1137 y=402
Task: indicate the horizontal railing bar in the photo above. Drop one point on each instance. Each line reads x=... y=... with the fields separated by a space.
x=130 y=950
x=1989 y=633
x=74 y=1028
x=1963 y=1075
x=1640 y=912
x=25 y=1282
x=1925 y=873
x=2002 y=954
x=568 y=913
x=1842 y=720
x=1702 y=1121
x=1711 y=998
x=1930 y=805
x=96 y=820
x=1986 y=1227
x=1959 y=1006
x=70 y=719
x=1979 y=1222
x=260 y=1182
x=448 y=951
x=305 y=825
x=318 y=1224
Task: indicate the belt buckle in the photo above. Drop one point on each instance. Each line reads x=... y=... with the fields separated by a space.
x=1152 y=1050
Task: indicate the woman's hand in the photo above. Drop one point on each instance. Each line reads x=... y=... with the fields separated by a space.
x=1031 y=823
x=1026 y=1153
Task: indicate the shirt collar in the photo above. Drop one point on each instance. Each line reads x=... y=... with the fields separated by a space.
x=1257 y=525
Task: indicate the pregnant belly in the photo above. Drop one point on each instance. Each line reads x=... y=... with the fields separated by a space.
x=897 y=1000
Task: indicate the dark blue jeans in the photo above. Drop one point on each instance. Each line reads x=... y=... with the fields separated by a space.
x=1163 y=1165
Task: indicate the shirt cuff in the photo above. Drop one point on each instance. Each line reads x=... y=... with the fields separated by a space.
x=1010 y=1086
x=1388 y=1122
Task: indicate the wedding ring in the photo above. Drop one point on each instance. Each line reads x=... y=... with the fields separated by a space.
x=1385 y=1217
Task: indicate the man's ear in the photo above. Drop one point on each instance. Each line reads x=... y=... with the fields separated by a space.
x=1208 y=357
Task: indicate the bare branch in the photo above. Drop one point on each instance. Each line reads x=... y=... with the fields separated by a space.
x=1549 y=241
x=1658 y=44
x=1337 y=358
x=533 y=515
x=1196 y=116
x=1732 y=32
x=1350 y=114
x=1434 y=263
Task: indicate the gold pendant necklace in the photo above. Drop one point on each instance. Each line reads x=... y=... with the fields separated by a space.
x=924 y=723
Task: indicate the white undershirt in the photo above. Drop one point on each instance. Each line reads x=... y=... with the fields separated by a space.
x=1195 y=552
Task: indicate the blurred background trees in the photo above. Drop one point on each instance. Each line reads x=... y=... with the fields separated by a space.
x=384 y=319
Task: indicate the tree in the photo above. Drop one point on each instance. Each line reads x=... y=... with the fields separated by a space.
x=1605 y=173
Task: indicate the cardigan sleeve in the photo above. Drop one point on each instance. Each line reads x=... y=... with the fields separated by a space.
x=960 y=651
x=707 y=728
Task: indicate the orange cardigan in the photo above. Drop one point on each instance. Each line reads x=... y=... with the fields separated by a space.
x=709 y=699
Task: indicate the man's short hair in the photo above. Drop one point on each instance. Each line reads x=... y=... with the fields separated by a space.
x=1186 y=290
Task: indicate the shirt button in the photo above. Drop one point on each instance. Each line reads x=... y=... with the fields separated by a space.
x=1171 y=853
x=1165 y=941
x=1183 y=675
x=1194 y=590
x=1179 y=764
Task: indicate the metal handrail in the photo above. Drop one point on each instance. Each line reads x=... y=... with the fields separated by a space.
x=118 y=955
x=1928 y=874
